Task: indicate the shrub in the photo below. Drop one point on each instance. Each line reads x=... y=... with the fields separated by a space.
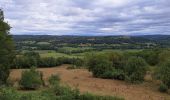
x=150 y=56
x=163 y=88
x=65 y=92
x=135 y=69
x=88 y=96
x=54 y=79
x=47 y=62
x=100 y=67
x=114 y=74
x=163 y=72
x=164 y=56
x=31 y=79
x=117 y=60
x=8 y=94
x=64 y=60
x=77 y=62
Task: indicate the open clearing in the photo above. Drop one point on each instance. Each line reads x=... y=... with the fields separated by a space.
x=83 y=80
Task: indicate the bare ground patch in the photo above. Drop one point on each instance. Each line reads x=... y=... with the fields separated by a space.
x=83 y=80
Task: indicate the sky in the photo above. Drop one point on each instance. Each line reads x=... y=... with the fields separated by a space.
x=87 y=17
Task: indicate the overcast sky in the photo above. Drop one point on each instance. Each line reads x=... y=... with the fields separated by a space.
x=88 y=17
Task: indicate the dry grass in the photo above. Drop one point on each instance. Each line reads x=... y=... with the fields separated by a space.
x=83 y=80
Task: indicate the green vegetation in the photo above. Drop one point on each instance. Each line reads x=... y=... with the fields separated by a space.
x=71 y=50
x=54 y=79
x=163 y=73
x=115 y=66
x=56 y=92
x=98 y=65
x=29 y=59
x=135 y=69
x=31 y=79
x=6 y=49
x=163 y=88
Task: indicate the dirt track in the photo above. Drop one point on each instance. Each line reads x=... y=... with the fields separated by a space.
x=83 y=79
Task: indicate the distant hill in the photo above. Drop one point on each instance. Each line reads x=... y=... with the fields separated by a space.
x=128 y=42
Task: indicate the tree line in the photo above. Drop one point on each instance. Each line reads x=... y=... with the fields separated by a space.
x=33 y=59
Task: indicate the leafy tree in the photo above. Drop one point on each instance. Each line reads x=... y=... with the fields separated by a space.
x=135 y=69
x=6 y=49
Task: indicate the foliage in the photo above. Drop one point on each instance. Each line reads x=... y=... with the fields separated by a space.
x=105 y=66
x=135 y=69
x=114 y=74
x=30 y=59
x=88 y=96
x=117 y=59
x=150 y=56
x=31 y=79
x=8 y=94
x=163 y=88
x=164 y=56
x=57 y=92
x=6 y=49
x=54 y=79
x=163 y=72
x=98 y=64
x=47 y=62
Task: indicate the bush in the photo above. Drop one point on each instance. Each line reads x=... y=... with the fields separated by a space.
x=135 y=69
x=164 y=56
x=48 y=62
x=150 y=56
x=31 y=79
x=54 y=79
x=65 y=92
x=78 y=62
x=101 y=67
x=88 y=96
x=114 y=74
x=163 y=88
x=163 y=72
x=117 y=60
x=8 y=94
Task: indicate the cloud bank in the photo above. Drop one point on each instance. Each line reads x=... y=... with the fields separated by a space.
x=88 y=17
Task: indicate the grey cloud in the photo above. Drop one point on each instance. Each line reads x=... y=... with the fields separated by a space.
x=88 y=17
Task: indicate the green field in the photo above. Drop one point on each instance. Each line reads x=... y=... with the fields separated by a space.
x=52 y=53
